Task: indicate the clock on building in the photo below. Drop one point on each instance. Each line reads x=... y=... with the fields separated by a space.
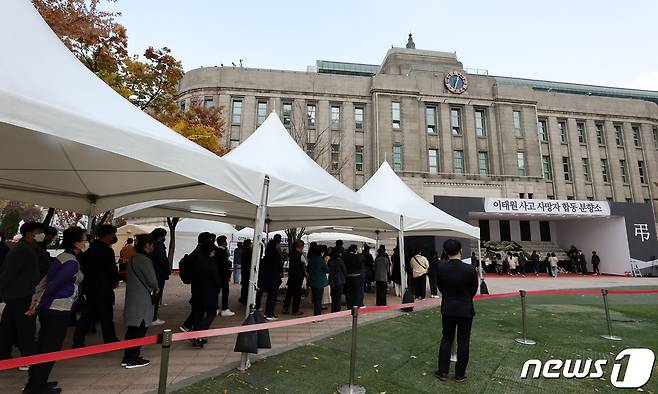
x=456 y=82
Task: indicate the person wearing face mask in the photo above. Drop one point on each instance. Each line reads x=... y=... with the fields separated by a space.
x=18 y=280
x=49 y=233
x=101 y=278
x=141 y=290
x=53 y=301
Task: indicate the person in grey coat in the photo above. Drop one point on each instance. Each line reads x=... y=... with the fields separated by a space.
x=382 y=264
x=141 y=286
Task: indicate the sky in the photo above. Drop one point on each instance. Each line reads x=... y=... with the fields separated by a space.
x=610 y=43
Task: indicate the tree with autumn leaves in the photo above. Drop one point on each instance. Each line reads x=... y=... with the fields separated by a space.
x=148 y=81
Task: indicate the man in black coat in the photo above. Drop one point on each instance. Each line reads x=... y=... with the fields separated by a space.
x=224 y=269
x=245 y=273
x=101 y=277
x=296 y=274
x=458 y=284
x=596 y=260
x=18 y=280
x=162 y=268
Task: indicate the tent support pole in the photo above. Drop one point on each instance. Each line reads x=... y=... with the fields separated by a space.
x=377 y=240
x=92 y=213
x=261 y=214
x=403 y=272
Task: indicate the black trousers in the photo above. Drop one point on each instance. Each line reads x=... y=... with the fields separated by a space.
x=156 y=307
x=381 y=289
x=462 y=325
x=51 y=339
x=596 y=268
x=294 y=294
x=434 y=289
x=17 y=328
x=244 y=292
x=270 y=302
x=96 y=309
x=420 y=286
x=317 y=293
x=189 y=321
x=203 y=317
x=224 y=290
x=354 y=285
x=134 y=332
x=336 y=297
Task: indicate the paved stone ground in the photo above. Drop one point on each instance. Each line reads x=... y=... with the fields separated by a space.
x=103 y=374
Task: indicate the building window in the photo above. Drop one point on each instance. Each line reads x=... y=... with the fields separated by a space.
x=550 y=197
x=483 y=163
x=310 y=115
x=580 y=127
x=287 y=114
x=458 y=160
x=586 y=171
x=546 y=167
x=397 y=157
x=395 y=114
x=600 y=134
x=182 y=105
x=433 y=161
x=261 y=112
x=480 y=123
x=609 y=199
x=655 y=136
x=234 y=143
x=335 y=117
x=605 y=171
x=456 y=121
x=570 y=198
x=637 y=136
x=624 y=171
x=566 y=168
x=520 y=163
x=518 y=130
x=236 y=112
x=310 y=150
x=358 y=158
x=619 y=135
x=358 y=118
x=629 y=200
x=562 y=128
x=640 y=168
x=208 y=101
x=430 y=119
x=335 y=157
x=542 y=130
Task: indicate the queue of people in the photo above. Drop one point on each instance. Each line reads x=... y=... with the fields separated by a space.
x=519 y=263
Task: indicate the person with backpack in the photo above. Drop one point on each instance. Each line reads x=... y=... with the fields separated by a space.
x=207 y=282
x=186 y=270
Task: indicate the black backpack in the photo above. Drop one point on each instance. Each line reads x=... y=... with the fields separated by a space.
x=186 y=269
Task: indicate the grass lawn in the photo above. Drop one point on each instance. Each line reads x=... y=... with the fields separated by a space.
x=399 y=355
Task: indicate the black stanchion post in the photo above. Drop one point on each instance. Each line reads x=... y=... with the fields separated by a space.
x=524 y=340
x=164 y=361
x=351 y=388
x=604 y=293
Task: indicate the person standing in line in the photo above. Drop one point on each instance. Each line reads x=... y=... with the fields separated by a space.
x=552 y=262
x=458 y=284
x=317 y=277
x=474 y=260
x=596 y=260
x=53 y=301
x=245 y=271
x=162 y=267
x=582 y=262
x=141 y=295
x=49 y=233
x=382 y=266
x=521 y=263
x=125 y=254
x=18 y=280
x=207 y=284
x=534 y=262
x=368 y=268
x=296 y=275
x=419 y=266
x=270 y=274
x=224 y=269
x=101 y=278
x=396 y=275
x=237 y=263
x=431 y=274
x=354 y=283
x=187 y=270
x=337 y=278
x=511 y=264
x=4 y=249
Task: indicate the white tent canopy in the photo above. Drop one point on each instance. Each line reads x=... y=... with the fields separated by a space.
x=70 y=141
x=326 y=237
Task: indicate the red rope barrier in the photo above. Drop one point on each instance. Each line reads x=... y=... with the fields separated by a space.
x=153 y=339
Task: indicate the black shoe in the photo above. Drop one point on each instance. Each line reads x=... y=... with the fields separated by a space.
x=441 y=376
x=460 y=379
x=137 y=363
x=197 y=343
x=46 y=390
x=272 y=317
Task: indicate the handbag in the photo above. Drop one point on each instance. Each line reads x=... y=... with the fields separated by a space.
x=154 y=296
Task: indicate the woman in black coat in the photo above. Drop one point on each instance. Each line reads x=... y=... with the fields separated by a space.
x=205 y=291
x=269 y=276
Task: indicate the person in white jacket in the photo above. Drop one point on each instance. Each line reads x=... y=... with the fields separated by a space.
x=419 y=266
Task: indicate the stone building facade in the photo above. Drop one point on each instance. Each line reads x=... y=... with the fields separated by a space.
x=447 y=130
